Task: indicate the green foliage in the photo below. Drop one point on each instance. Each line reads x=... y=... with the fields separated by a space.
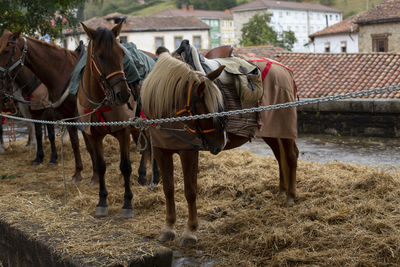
x=207 y=4
x=33 y=16
x=257 y=32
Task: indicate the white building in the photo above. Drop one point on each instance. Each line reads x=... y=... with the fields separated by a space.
x=301 y=18
x=147 y=33
x=341 y=37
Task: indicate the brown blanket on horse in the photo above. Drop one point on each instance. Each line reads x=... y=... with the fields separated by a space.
x=279 y=87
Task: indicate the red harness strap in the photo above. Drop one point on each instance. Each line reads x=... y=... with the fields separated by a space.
x=268 y=66
x=99 y=113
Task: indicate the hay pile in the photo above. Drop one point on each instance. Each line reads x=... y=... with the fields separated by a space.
x=346 y=214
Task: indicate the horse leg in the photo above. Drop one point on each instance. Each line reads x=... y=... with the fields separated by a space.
x=291 y=154
x=286 y=153
x=39 y=145
x=52 y=139
x=123 y=137
x=2 y=147
x=155 y=173
x=95 y=176
x=190 y=161
x=165 y=162
x=74 y=139
x=142 y=169
x=31 y=134
x=99 y=166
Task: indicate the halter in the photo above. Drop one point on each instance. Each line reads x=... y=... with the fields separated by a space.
x=190 y=109
x=104 y=82
x=20 y=62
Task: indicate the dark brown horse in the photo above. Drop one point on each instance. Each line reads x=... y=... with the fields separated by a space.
x=53 y=66
x=172 y=89
x=104 y=94
x=28 y=90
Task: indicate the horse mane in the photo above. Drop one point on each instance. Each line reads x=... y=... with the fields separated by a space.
x=66 y=52
x=105 y=37
x=165 y=89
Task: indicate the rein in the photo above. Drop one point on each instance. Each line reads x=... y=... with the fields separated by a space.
x=104 y=82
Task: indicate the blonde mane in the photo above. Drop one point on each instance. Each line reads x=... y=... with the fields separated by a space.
x=164 y=91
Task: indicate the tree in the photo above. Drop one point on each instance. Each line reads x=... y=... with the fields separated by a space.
x=38 y=16
x=207 y=4
x=258 y=32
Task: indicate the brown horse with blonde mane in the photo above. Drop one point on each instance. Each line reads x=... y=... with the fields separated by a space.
x=53 y=66
x=171 y=90
x=103 y=96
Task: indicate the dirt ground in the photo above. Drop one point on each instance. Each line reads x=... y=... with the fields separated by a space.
x=345 y=214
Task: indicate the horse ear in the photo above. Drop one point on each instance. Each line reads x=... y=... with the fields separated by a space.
x=117 y=28
x=215 y=74
x=16 y=35
x=90 y=32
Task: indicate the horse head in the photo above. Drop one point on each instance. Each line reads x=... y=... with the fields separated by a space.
x=174 y=89
x=104 y=66
x=12 y=55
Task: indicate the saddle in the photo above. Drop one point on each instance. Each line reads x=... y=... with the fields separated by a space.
x=220 y=51
x=240 y=84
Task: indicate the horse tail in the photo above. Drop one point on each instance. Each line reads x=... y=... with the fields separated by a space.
x=284 y=164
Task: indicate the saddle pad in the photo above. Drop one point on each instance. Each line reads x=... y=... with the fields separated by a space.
x=248 y=82
x=241 y=124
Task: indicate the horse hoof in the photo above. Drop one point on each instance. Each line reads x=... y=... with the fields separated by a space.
x=94 y=182
x=36 y=162
x=101 y=211
x=142 y=181
x=290 y=202
x=188 y=240
x=52 y=163
x=167 y=234
x=76 y=179
x=127 y=213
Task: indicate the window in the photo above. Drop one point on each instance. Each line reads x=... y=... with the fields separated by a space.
x=178 y=41
x=123 y=39
x=159 y=42
x=327 y=47
x=343 y=46
x=197 y=42
x=380 y=43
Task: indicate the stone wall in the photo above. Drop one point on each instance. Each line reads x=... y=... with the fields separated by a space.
x=391 y=29
x=380 y=118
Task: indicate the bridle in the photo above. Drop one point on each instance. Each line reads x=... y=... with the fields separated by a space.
x=190 y=109
x=6 y=76
x=104 y=82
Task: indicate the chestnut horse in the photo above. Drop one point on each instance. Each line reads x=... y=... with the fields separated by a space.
x=25 y=85
x=53 y=66
x=279 y=127
x=172 y=89
x=103 y=94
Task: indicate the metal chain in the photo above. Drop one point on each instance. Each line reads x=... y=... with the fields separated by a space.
x=145 y=123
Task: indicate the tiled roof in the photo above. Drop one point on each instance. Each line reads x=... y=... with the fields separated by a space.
x=164 y=23
x=387 y=11
x=344 y=26
x=319 y=75
x=140 y=24
x=265 y=51
x=265 y=4
x=211 y=14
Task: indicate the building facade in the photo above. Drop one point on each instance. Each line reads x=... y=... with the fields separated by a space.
x=379 y=28
x=301 y=18
x=148 y=33
x=341 y=37
x=220 y=22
